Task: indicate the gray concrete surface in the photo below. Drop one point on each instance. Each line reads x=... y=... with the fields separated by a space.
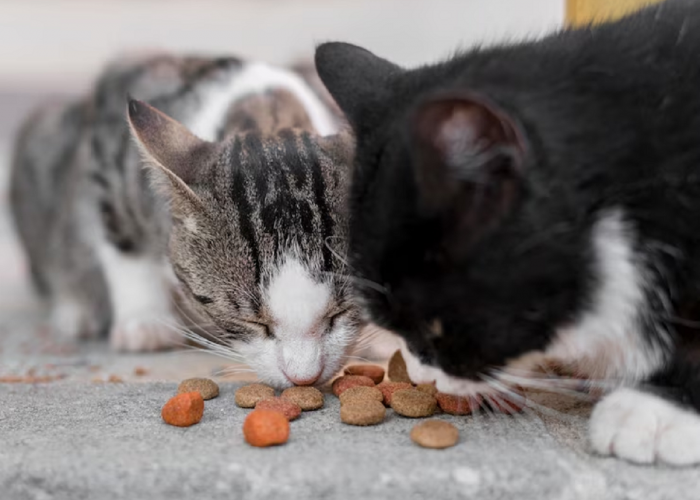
x=80 y=441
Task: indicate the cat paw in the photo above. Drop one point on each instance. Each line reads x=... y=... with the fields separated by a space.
x=645 y=429
x=71 y=321
x=140 y=335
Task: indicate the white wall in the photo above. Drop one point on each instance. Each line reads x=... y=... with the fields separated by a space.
x=65 y=41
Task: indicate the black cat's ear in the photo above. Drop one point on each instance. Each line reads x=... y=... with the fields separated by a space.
x=356 y=78
x=171 y=149
x=468 y=160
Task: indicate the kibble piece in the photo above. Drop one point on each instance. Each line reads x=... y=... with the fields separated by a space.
x=206 y=387
x=435 y=434
x=249 y=395
x=342 y=384
x=287 y=408
x=140 y=371
x=389 y=388
x=413 y=403
x=376 y=373
x=361 y=392
x=115 y=379
x=457 y=405
x=397 y=369
x=362 y=412
x=265 y=428
x=184 y=409
x=308 y=398
x=428 y=389
x=507 y=403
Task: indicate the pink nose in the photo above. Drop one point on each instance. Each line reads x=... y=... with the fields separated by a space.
x=304 y=380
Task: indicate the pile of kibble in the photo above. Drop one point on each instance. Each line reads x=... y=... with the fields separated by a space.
x=364 y=397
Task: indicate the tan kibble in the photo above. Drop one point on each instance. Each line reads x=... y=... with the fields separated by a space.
x=376 y=373
x=249 y=395
x=206 y=387
x=435 y=434
x=362 y=412
x=308 y=398
x=413 y=403
x=427 y=388
x=397 y=369
x=361 y=392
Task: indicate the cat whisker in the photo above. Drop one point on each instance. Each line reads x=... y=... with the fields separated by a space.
x=211 y=347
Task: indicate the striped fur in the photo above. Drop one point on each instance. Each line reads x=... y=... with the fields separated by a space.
x=110 y=243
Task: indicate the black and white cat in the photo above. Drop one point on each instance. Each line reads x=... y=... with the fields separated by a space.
x=538 y=203
x=241 y=209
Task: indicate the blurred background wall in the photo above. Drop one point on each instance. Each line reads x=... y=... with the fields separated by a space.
x=62 y=43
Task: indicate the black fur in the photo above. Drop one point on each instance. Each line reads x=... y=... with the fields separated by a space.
x=497 y=243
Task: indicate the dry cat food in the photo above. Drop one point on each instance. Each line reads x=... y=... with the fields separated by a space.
x=397 y=369
x=457 y=405
x=413 y=403
x=345 y=382
x=184 y=409
x=308 y=398
x=428 y=389
x=206 y=387
x=115 y=379
x=265 y=428
x=249 y=395
x=436 y=434
x=362 y=412
x=376 y=373
x=361 y=392
x=140 y=371
x=389 y=388
x=287 y=408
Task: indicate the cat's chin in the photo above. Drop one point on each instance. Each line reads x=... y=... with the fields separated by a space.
x=420 y=373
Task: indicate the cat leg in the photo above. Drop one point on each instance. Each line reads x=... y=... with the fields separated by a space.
x=644 y=428
x=141 y=296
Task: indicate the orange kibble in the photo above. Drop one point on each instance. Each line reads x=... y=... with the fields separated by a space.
x=347 y=381
x=265 y=428
x=457 y=405
x=376 y=373
x=184 y=409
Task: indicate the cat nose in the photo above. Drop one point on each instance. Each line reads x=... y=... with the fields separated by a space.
x=303 y=380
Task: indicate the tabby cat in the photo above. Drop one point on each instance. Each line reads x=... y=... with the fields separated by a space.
x=538 y=204
x=240 y=213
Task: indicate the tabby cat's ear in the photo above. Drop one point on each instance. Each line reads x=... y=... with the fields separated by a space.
x=468 y=159
x=356 y=78
x=170 y=148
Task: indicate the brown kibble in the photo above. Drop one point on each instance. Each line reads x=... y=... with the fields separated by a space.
x=115 y=379
x=140 y=371
x=413 y=403
x=265 y=428
x=361 y=392
x=457 y=405
x=345 y=382
x=249 y=395
x=206 y=387
x=428 y=389
x=287 y=408
x=308 y=398
x=184 y=410
x=362 y=412
x=436 y=434
x=389 y=388
x=397 y=369
x=376 y=373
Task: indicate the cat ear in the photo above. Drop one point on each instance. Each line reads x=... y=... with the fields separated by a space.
x=173 y=151
x=355 y=78
x=468 y=161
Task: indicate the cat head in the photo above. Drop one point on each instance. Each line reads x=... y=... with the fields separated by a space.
x=258 y=223
x=466 y=240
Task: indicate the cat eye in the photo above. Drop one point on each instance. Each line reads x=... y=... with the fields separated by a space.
x=333 y=318
x=203 y=299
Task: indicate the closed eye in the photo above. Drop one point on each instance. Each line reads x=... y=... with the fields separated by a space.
x=203 y=299
x=258 y=326
x=333 y=318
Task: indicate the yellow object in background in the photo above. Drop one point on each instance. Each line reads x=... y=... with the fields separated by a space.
x=580 y=12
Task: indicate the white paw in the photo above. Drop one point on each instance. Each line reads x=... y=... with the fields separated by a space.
x=645 y=429
x=71 y=320
x=148 y=334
